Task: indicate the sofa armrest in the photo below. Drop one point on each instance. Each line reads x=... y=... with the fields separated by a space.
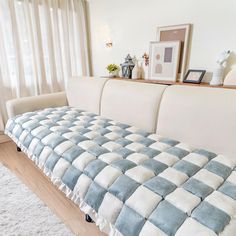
x=27 y=104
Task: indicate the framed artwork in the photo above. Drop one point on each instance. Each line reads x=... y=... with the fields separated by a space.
x=177 y=33
x=194 y=76
x=164 y=60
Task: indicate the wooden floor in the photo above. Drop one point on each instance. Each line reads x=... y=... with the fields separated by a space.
x=28 y=173
x=4 y=138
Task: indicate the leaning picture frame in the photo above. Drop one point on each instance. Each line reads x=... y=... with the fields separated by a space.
x=194 y=76
x=177 y=33
x=164 y=60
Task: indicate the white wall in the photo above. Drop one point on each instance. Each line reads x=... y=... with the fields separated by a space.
x=132 y=24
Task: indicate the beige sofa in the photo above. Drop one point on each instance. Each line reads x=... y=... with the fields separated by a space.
x=202 y=117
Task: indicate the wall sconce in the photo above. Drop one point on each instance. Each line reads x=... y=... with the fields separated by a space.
x=105 y=36
x=109 y=44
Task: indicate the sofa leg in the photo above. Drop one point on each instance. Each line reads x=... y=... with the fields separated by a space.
x=18 y=149
x=88 y=218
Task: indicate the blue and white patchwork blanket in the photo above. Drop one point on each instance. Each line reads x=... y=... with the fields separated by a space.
x=129 y=181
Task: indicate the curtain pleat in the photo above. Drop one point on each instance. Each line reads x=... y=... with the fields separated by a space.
x=2 y=111
x=82 y=34
x=20 y=88
x=43 y=43
x=65 y=37
x=27 y=16
x=39 y=53
x=57 y=43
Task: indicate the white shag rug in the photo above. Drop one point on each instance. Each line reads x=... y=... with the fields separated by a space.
x=22 y=213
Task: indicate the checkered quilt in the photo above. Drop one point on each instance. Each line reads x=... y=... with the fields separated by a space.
x=131 y=182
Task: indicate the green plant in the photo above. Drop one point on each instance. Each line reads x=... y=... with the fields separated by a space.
x=112 y=67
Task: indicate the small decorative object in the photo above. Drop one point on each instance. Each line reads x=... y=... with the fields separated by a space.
x=145 y=57
x=164 y=60
x=113 y=70
x=194 y=76
x=177 y=33
x=230 y=79
x=127 y=67
x=109 y=43
x=144 y=66
x=218 y=73
x=136 y=69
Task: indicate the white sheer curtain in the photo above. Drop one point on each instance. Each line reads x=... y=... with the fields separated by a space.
x=1 y=125
x=42 y=43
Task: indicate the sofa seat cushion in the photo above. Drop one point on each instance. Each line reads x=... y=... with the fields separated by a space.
x=130 y=181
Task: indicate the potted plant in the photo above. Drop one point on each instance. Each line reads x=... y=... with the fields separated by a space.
x=113 y=70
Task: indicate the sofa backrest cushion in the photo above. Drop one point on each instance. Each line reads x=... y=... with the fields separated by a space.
x=132 y=103
x=202 y=117
x=85 y=93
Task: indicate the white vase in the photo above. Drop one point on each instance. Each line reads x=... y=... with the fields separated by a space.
x=114 y=73
x=136 y=71
x=145 y=71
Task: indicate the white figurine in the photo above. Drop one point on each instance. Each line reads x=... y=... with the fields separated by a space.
x=230 y=79
x=219 y=70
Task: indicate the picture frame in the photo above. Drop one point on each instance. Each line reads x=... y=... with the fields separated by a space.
x=164 y=60
x=194 y=76
x=177 y=33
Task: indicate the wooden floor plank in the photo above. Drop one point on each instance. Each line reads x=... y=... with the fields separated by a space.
x=29 y=174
